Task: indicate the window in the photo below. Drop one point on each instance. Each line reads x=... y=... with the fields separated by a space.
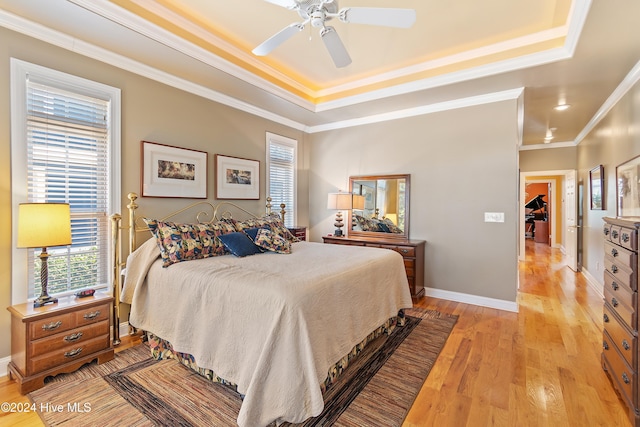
x=282 y=155
x=65 y=148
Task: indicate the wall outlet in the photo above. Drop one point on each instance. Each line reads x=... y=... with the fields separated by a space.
x=494 y=217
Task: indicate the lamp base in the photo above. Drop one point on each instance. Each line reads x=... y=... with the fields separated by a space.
x=44 y=299
x=337 y=233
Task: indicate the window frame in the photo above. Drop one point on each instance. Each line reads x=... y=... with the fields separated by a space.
x=19 y=70
x=289 y=142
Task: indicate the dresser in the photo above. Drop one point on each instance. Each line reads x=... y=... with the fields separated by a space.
x=299 y=232
x=411 y=250
x=58 y=338
x=620 y=320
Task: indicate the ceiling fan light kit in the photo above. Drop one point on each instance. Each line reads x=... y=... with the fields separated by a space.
x=318 y=12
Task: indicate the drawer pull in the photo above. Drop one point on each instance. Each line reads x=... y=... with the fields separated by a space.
x=625 y=378
x=625 y=237
x=614 y=268
x=614 y=252
x=73 y=337
x=606 y=231
x=52 y=326
x=614 y=234
x=92 y=315
x=625 y=345
x=404 y=251
x=73 y=353
x=614 y=302
x=615 y=286
x=605 y=345
x=605 y=318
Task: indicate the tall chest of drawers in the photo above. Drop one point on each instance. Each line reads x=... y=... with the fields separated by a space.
x=620 y=312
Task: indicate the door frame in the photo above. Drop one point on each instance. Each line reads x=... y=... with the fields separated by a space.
x=554 y=211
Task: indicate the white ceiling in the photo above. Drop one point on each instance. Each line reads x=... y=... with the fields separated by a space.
x=459 y=52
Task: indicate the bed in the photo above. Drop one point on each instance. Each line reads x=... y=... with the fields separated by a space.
x=278 y=325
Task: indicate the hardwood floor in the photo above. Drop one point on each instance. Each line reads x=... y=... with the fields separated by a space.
x=538 y=367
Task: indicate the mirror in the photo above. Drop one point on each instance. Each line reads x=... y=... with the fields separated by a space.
x=380 y=206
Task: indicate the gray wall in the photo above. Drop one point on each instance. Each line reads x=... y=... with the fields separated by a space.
x=614 y=140
x=457 y=173
x=551 y=159
x=150 y=111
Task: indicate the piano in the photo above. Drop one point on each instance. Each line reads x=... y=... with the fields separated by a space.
x=535 y=210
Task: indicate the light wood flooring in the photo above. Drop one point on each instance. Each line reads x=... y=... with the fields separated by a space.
x=538 y=367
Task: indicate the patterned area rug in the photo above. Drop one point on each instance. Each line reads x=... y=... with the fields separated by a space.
x=136 y=390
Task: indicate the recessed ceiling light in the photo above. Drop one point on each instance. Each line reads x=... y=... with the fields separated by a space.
x=561 y=107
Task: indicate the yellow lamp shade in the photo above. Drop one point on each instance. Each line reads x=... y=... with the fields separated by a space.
x=42 y=225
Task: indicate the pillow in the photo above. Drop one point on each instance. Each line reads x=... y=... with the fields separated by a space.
x=183 y=242
x=273 y=222
x=239 y=244
x=252 y=232
x=391 y=226
x=273 y=242
x=383 y=227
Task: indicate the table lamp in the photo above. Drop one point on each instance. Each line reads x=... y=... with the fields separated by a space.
x=42 y=225
x=339 y=202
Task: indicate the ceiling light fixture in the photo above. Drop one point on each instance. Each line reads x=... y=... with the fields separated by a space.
x=561 y=107
x=548 y=137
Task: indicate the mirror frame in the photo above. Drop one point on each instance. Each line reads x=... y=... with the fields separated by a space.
x=380 y=235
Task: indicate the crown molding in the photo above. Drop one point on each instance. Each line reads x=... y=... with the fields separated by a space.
x=422 y=110
x=632 y=77
x=552 y=145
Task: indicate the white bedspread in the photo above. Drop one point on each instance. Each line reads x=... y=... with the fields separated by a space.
x=271 y=323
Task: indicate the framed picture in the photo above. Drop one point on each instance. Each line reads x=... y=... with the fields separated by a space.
x=169 y=171
x=596 y=185
x=237 y=178
x=628 y=194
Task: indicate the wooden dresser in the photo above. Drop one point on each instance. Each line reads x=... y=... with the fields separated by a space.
x=58 y=338
x=620 y=335
x=411 y=250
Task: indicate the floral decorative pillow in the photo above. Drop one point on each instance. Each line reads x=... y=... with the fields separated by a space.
x=183 y=242
x=273 y=221
x=267 y=239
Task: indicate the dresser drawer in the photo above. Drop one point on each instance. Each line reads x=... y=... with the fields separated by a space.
x=71 y=337
x=622 y=273
x=629 y=238
x=51 y=325
x=615 y=285
x=621 y=255
x=624 y=378
x=626 y=312
x=67 y=354
x=92 y=315
x=620 y=335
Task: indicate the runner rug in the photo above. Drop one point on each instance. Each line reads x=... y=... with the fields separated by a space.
x=136 y=390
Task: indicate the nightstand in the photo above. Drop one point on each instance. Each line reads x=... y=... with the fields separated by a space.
x=58 y=338
x=299 y=232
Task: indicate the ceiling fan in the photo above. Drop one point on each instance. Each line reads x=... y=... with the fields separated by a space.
x=318 y=12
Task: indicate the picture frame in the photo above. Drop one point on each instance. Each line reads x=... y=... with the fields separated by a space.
x=169 y=171
x=237 y=178
x=627 y=188
x=596 y=187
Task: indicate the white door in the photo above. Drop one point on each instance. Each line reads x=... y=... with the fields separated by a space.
x=570 y=220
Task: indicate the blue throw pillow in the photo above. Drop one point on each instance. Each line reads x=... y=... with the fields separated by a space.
x=252 y=232
x=239 y=244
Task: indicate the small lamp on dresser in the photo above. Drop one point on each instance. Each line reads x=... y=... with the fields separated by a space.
x=340 y=202
x=42 y=225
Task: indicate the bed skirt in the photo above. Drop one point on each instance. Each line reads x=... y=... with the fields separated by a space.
x=162 y=349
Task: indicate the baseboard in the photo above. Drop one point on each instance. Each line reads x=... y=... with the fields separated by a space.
x=4 y=362
x=472 y=299
x=593 y=282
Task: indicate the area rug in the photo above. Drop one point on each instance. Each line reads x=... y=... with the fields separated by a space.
x=136 y=390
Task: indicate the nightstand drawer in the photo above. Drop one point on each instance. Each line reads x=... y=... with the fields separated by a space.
x=71 y=337
x=67 y=354
x=92 y=315
x=51 y=325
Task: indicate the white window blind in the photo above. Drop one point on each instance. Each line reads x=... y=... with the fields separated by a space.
x=281 y=158
x=67 y=136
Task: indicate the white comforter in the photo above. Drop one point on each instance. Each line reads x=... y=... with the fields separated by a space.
x=271 y=323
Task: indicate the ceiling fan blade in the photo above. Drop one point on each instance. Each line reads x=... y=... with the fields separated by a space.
x=289 y=4
x=335 y=47
x=387 y=17
x=277 y=39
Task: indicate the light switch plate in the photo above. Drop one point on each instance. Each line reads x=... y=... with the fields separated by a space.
x=494 y=217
